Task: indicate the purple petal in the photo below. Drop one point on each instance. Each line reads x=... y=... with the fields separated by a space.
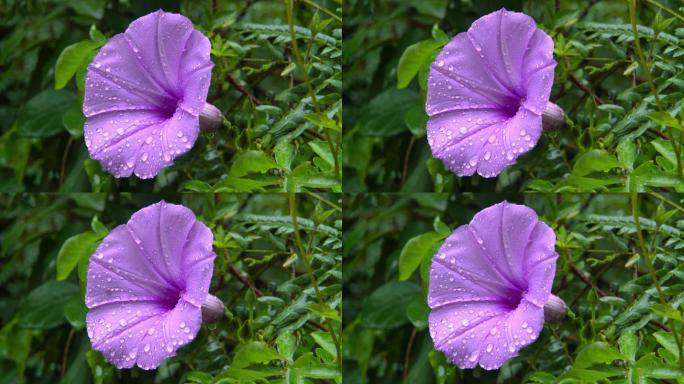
x=144 y=92
x=491 y=275
x=146 y=284
x=486 y=92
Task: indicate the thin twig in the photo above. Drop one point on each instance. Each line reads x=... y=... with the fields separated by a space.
x=65 y=156
x=65 y=353
x=407 y=156
x=586 y=280
x=586 y=90
x=243 y=90
x=244 y=280
x=407 y=355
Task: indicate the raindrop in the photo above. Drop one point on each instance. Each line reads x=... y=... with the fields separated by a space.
x=147 y=348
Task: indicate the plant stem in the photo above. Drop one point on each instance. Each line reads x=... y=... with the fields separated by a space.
x=307 y=264
x=322 y=9
x=305 y=73
x=647 y=71
x=651 y=271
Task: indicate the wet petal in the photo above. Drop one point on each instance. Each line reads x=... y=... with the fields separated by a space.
x=146 y=285
x=144 y=92
x=486 y=92
x=488 y=285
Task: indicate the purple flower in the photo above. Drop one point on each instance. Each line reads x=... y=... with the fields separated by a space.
x=147 y=283
x=144 y=93
x=489 y=284
x=487 y=91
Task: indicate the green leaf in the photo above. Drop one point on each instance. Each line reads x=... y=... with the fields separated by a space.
x=197 y=186
x=75 y=311
x=385 y=308
x=666 y=311
x=44 y=306
x=413 y=58
x=71 y=59
x=415 y=251
x=96 y=35
x=73 y=250
x=325 y=341
x=286 y=344
x=322 y=149
x=251 y=162
x=102 y=371
x=324 y=310
x=667 y=341
x=42 y=115
x=254 y=352
x=628 y=343
x=384 y=115
x=199 y=377
x=417 y=312
x=664 y=118
x=595 y=160
x=597 y=352
x=284 y=154
x=416 y=120
x=90 y=8
x=74 y=120
x=322 y=120
x=662 y=372
x=626 y=153
x=307 y=366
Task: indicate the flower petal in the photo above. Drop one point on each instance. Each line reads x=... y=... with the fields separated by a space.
x=146 y=285
x=119 y=272
x=464 y=271
x=486 y=146
x=142 y=333
x=144 y=92
x=492 y=342
x=503 y=38
x=159 y=40
x=486 y=92
x=488 y=285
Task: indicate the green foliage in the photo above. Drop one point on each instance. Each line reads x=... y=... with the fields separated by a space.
x=280 y=282
x=623 y=326
x=623 y=101
x=271 y=98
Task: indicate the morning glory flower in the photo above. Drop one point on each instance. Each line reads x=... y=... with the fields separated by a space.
x=490 y=285
x=144 y=94
x=147 y=283
x=487 y=91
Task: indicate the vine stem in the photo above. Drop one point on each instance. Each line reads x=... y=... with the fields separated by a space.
x=305 y=73
x=647 y=71
x=651 y=271
x=292 y=198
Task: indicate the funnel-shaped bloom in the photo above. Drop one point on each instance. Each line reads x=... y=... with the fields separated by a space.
x=489 y=283
x=144 y=93
x=487 y=91
x=146 y=285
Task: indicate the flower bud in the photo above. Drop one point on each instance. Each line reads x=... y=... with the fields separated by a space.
x=555 y=309
x=212 y=309
x=210 y=118
x=553 y=117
